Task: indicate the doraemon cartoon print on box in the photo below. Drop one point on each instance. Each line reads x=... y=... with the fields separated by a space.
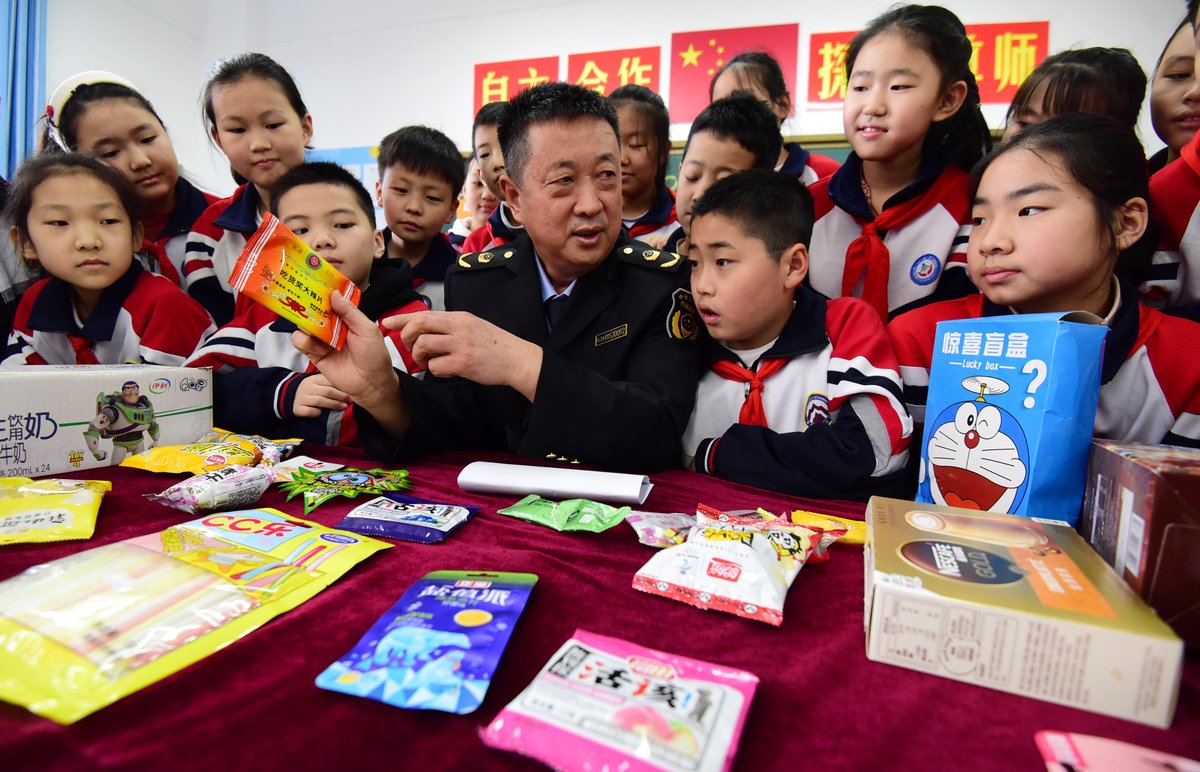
x=1013 y=401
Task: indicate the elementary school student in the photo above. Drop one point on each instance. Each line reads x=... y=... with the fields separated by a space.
x=1084 y=175
x=104 y=115
x=76 y=217
x=759 y=73
x=263 y=385
x=803 y=394
x=729 y=136
x=502 y=226
x=647 y=203
x=257 y=118
x=892 y=222
x=420 y=175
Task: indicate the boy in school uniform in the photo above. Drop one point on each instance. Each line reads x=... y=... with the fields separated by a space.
x=501 y=226
x=420 y=174
x=263 y=384
x=731 y=135
x=802 y=394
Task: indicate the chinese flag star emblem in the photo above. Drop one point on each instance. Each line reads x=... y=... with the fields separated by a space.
x=698 y=56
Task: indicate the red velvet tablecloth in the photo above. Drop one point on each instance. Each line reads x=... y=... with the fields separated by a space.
x=820 y=704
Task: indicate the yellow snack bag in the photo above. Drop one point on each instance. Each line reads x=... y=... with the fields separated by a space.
x=196 y=457
x=83 y=631
x=49 y=510
x=279 y=271
x=856 y=530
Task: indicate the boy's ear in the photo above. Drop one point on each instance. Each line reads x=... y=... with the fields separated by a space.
x=380 y=247
x=452 y=215
x=794 y=265
x=952 y=99
x=379 y=191
x=1130 y=222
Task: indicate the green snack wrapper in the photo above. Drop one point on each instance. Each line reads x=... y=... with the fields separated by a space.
x=569 y=515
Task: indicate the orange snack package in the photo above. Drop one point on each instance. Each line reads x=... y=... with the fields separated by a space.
x=279 y=271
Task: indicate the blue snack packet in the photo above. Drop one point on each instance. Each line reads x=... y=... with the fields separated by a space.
x=436 y=648
x=397 y=516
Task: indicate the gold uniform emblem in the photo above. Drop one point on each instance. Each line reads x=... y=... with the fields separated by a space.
x=681 y=320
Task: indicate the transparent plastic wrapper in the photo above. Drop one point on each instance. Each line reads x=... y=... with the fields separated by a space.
x=569 y=515
x=438 y=647
x=397 y=516
x=81 y=632
x=660 y=529
x=49 y=510
x=228 y=488
x=739 y=564
x=273 y=451
x=279 y=271
x=196 y=457
x=602 y=703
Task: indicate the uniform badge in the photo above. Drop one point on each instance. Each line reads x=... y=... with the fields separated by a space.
x=616 y=333
x=925 y=270
x=816 y=410
x=681 y=320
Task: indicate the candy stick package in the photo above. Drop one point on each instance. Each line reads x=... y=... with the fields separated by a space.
x=81 y=632
x=279 y=271
x=604 y=703
x=438 y=646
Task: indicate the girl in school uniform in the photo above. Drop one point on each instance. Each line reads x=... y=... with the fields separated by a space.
x=892 y=222
x=258 y=119
x=647 y=203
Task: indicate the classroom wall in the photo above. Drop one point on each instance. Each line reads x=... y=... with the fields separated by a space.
x=366 y=67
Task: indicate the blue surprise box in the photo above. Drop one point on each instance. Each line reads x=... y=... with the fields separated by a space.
x=1008 y=420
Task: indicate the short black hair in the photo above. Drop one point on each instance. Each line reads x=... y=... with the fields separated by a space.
x=46 y=166
x=554 y=101
x=1192 y=7
x=1104 y=81
x=491 y=114
x=88 y=94
x=322 y=173
x=745 y=119
x=422 y=150
x=767 y=205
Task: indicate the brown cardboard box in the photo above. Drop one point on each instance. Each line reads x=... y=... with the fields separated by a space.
x=1142 y=514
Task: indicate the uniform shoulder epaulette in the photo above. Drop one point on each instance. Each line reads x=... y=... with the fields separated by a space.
x=476 y=261
x=649 y=258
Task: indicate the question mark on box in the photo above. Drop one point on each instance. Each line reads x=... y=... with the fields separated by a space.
x=1034 y=366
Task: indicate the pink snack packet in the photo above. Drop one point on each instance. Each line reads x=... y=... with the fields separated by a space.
x=605 y=703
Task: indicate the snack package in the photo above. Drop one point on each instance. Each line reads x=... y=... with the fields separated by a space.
x=397 y=516
x=660 y=529
x=606 y=704
x=49 y=510
x=81 y=632
x=227 y=488
x=856 y=530
x=273 y=451
x=288 y=467
x=438 y=647
x=196 y=457
x=279 y=271
x=319 y=487
x=569 y=515
x=740 y=565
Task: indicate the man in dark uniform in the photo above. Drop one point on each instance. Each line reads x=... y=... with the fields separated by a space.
x=569 y=343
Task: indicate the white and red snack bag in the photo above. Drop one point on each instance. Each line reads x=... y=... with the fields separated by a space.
x=604 y=703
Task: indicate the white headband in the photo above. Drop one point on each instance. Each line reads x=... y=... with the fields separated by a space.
x=66 y=90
